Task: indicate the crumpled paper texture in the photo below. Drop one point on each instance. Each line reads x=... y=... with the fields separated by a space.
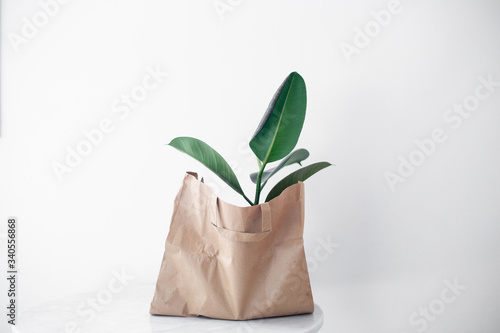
x=229 y=262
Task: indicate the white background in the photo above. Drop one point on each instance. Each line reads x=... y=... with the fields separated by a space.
x=394 y=248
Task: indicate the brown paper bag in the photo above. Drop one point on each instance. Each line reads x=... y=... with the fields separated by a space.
x=228 y=262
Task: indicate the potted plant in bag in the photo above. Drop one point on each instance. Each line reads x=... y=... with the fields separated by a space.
x=229 y=262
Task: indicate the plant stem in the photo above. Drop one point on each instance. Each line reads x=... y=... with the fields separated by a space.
x=248 y=200
x=258 y=188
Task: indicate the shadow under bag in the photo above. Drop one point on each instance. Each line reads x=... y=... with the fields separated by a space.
x=228 y=262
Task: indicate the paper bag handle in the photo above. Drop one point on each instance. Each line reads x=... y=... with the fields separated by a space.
x=240 y=236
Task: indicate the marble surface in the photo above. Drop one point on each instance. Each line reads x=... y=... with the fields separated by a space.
x=127 y=311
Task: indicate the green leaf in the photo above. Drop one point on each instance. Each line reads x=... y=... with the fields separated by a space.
x=296 y=156
x=296 y=176
x=279 y=129
x=205 y=154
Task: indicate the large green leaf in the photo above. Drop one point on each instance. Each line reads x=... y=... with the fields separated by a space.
x=210 y=158
x=279 y=129
x=296 y=156
x=296 y=176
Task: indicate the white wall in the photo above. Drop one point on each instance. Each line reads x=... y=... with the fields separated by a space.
x=393 y=248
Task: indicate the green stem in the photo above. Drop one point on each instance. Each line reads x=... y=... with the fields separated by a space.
x=258 y=187
x=248 y=200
